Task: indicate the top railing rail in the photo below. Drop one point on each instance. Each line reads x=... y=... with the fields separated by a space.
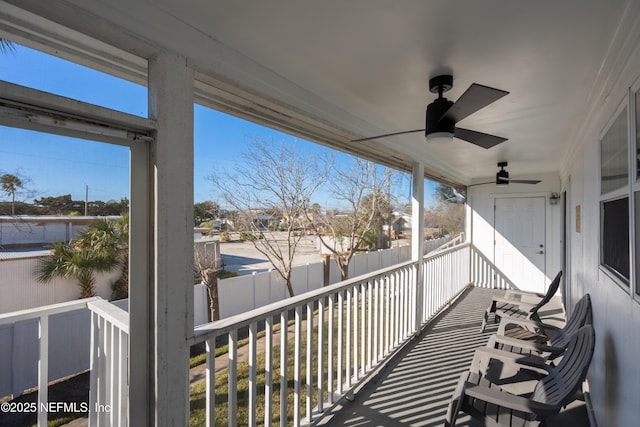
x=47 y=310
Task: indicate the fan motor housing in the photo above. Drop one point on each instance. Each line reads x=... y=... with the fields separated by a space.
x=434 y=120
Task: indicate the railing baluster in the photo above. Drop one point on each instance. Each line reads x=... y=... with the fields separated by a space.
x=387 y=307
x=363 y=329
x=320 y=373
x=210 y=381
x=102 y=369
x=376 y=319
x=232 y=381
x=93 y=365
x=112 y=370
x=330 y=346
x=253 y=404
x=124 y=375
x=268 y=371
x=341 y=334
x=354 y=347
x=366 y=366
x=114 y=352
x=348 y=333
x=297 y=366
x=309 y=364
x=284 y=350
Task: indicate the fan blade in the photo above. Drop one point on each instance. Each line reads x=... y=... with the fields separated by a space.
x=481 y=183
x=473 y=99
x=387 y=134
x=523 y=181
x=480 y=139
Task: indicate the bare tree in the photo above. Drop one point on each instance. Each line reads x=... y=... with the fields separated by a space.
x=207 y=270
x=363 y=189
x=271 y=189
x=449 y=214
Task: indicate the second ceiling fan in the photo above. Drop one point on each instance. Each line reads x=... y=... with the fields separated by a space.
x=442 y=114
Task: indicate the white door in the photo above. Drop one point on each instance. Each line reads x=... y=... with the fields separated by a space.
x=520 y=247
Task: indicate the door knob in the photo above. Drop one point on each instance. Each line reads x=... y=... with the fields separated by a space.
x=540 y=252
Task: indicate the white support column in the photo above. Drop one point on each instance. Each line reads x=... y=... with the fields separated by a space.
x=417 y=234
x=171 y=105
x=141 y=287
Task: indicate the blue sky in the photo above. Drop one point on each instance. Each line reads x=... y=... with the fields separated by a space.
x=56 y=165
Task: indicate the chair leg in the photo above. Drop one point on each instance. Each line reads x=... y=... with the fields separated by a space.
x=485 y=319
x=456 y=401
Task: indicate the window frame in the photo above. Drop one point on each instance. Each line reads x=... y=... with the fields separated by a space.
x=634 y=168
x=625 y=191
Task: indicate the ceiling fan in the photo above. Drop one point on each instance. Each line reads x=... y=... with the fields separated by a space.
x=502 y=178
x=442 y=114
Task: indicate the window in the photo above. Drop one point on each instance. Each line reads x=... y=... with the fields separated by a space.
x=615 y=237
x=614 y=203
x=614 y=155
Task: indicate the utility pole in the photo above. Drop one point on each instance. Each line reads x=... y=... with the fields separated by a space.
x=86 y=199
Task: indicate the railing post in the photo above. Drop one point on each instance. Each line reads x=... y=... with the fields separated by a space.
x=417 y=236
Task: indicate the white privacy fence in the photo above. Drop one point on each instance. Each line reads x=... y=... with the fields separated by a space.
x=243 y=293
x=19 y=289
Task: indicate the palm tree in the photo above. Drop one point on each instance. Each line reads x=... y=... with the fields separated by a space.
x=103 y=246
x=71 y=261
x=109 y=240
x=10 y=185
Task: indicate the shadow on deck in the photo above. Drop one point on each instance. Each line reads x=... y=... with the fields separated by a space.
x=415 y=386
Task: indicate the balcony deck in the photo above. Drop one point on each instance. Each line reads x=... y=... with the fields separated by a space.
x=415 y=386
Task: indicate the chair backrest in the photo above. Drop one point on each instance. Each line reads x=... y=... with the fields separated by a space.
x=580 y=316
x=558 y=388
x=553 y=288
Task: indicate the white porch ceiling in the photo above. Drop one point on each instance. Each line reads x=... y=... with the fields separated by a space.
x=361 y=67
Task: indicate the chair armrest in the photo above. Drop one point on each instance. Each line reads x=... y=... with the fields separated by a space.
x=516 y=302
x=527 y=345
x=508 y=400
x=483 y=356
x=528 y=324
x=528 y=294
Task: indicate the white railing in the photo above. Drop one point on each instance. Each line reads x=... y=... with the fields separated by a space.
x=445 y=274
x=338 y=335
x=109 y=380
x=485 y=274
x=42 y=315
x=360 y=321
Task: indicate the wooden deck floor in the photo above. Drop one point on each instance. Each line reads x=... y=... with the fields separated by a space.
x=415 y=387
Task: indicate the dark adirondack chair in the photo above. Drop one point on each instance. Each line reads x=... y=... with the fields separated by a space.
x=525 y=336
x=526 y=351
x=520 y=304
x=484 y=400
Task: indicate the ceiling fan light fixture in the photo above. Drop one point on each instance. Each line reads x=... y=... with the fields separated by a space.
x=502 y=177
x=440 y=137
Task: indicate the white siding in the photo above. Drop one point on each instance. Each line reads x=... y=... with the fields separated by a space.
x=614 y=378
